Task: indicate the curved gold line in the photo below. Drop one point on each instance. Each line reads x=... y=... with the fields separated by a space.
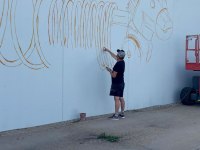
x=86 y=20
x=12 y=34
x=72 y=21
x=17 y=46
x=85 y=26
x=103 y=36
x=4 y=61
x=113 y=7
x=109 y=20
x=89 y=27
x=93 y=23
x=31 y=41
x=2 y=14
x=54 y=24
x=66 y=23
x=100 y=9
x=95 y=33
x=81 y=25
x=57 y=31
x=161 y=11
x=133 y=7
x=149 y=52
x=49 y=21
x=107 y=5
x=9 y=63
x=60 y=24
x=90 y=22
x=63 y=23
x=1 y=20
x=54 y=21
x=75 y=24
x=135 y=42
x=98 y=27
x=36 y=34
x=101 y=26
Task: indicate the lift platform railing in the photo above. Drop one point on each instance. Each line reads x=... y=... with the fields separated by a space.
x=192 y=58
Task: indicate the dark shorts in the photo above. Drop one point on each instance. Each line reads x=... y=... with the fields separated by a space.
x=117 y=89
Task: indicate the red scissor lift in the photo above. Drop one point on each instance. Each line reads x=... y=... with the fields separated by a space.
x=192 y=52
x=190 y=95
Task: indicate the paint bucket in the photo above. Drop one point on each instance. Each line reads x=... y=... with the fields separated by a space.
x=82 y=116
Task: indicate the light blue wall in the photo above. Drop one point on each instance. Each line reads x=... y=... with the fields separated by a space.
x=52 y=66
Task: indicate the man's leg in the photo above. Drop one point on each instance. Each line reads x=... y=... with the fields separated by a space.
x=122 y=104
x=122 y=107
x=117 y=104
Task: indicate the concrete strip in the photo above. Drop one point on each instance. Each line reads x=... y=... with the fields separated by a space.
x=171 y=127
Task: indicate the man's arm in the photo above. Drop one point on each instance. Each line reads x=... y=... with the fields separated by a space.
x=112 y=73
x=110 y=52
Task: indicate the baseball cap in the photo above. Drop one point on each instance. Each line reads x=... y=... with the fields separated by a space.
x=121 y=53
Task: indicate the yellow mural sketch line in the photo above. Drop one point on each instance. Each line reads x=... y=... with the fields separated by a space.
x=148 y=23
x=24 y=55
x=132 y=7
x=63 y=25
x=149 y=53
x=104 y=59
x=166 y=29
x=136 y=43
x=49 y=30
x=84 y=24
x=4 y=14
x=104 y=26
x=36 y=33
x=5 y=61
x=162 y=3
x=16 y=43
x=112 y=7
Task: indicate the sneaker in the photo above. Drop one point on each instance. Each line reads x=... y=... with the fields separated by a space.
x=114 y=117
x=121 y=116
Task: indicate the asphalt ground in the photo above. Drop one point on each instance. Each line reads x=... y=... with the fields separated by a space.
x=169 y=127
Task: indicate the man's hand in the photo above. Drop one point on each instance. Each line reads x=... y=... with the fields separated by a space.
x=112 y=73
x=105 y=49
x=108 y=69
x=110 y=52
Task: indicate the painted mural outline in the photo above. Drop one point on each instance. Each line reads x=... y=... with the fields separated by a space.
x=86 y=24
x=83 y=24
x=143 y=31
x=34 y=45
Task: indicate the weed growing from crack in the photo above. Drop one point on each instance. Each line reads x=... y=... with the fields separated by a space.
x=109 y=138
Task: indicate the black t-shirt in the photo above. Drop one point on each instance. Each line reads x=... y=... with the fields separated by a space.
x=119 y=68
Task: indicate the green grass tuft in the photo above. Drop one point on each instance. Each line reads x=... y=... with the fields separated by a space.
x=110 y=138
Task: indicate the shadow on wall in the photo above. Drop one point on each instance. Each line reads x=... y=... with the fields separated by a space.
x=184 y=79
